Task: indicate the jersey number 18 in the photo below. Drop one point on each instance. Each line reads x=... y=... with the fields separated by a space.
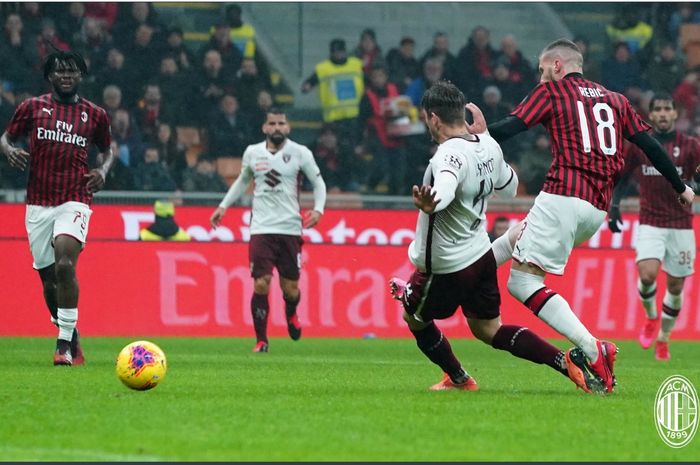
x=603 y=125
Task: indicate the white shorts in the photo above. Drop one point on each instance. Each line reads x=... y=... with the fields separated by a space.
x=552 y=228
x=44 y=224
x=675 y=248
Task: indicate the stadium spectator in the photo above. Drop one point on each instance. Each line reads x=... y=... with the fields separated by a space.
x=520 y=70
x=175 y=89
x=144 y=53
x=276 y=224
x=128 y=139
x=248 y=85
x=329 y=159
x=32 y=18
x=203 y=177
x=152 y=174
x=433 y=71
x=688 y=93
x=231 y=56
x=111 y=99
x=175 y=46
x=665 y=71
x=567 y=213
x=369 y=52
x=628 y=27
x=94 y=42
x=590 y=66
x=686 y=13
x=453 y=260
x=164 y=228
x=229 y=134
x=473 y=64
x=48 y=40
x=512 y=91
x=499 y=228
x=60 y=189
x=402 y=64
x=387 y=169
x=172 y=152
x=70 y=22
x=131 y=17
x=622 y=71
x=242 y=34
x=494 y=110
x=258 y=115
x=116 y=72
x=18 y=55
x=341 y=87
x=440 y=50
x=120 y=177
x=105 y=13
x=151 y=110
x=212 y=83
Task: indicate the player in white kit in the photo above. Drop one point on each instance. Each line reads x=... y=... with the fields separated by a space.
x=276 y=222
x=455 y=266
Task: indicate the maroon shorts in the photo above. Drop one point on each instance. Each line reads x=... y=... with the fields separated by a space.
x=281 y=251
x=437 y=296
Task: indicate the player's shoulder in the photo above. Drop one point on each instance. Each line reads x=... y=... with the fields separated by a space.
x=36 y=101
x=297 y=148
x=92 y=105
x=255 y=148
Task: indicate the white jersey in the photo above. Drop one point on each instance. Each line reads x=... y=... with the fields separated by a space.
x=276 y=196
x=454 y=237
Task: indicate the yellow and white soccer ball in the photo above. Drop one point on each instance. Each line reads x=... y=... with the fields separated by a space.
x=141 y=365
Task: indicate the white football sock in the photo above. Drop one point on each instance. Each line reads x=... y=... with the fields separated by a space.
x=502 y=249
x=674 y=303
x=649 y=303
x=67 y=319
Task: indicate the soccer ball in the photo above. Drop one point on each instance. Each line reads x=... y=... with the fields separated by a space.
x=141 y=365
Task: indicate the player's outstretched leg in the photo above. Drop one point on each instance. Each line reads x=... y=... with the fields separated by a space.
x=260 y=309
x=529 y=288
x=436 y=347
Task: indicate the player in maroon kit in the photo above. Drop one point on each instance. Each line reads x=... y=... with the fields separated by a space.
x=587 y=125
x=60 y=127
x=665 y=227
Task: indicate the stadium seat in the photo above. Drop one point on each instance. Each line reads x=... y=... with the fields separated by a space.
x=228 y=168
x=690 y=42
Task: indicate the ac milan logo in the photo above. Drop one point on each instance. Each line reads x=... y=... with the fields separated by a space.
x=676 y=152
x=83 y=117
x=286 y=157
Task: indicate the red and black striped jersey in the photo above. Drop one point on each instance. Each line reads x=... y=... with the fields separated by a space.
x=658 y=202
x=587 y=124
x=59 y=136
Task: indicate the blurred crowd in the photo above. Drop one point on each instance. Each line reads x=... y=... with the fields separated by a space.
x=179 y=115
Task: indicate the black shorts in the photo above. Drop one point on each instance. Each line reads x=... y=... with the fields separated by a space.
x=281 y=251
x=437 y=296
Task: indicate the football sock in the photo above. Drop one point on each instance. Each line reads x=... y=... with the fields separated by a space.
x=552 y=309
x=670 y=311
x=437 y=348
x=523 y=343
x=647 y=294
x=260 y=309
x=502 y=249
x=67 y=318
x=290 y=305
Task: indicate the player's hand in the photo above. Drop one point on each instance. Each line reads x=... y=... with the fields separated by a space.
x=18 y=158
x=95 y=180
x=424 y=199
x=614 y=220
x=687 y=197
x=479 y=124
x=217 y=216
x=311 y=218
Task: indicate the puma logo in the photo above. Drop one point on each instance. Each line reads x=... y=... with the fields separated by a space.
x=47 y=110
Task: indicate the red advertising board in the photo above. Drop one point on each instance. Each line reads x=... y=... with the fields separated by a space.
x=203 y=289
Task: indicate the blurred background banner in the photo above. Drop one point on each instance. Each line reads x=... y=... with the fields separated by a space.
x=203 y=289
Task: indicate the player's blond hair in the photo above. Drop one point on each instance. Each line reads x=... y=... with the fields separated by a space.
x=566 y=50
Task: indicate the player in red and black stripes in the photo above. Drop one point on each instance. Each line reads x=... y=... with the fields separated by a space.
x=587 y=124
x=665 y=232
x=60 y=127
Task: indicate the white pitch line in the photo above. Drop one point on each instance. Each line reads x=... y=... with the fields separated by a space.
x=75 y=454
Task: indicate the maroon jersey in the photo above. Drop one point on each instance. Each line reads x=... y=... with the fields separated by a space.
x=658 y=202
x=59 y=136
x=587 y=124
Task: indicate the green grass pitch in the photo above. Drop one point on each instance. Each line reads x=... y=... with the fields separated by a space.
x=326 y=399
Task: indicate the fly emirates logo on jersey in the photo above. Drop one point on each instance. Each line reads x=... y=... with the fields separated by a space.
x=651 y=171
x=62 y=133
